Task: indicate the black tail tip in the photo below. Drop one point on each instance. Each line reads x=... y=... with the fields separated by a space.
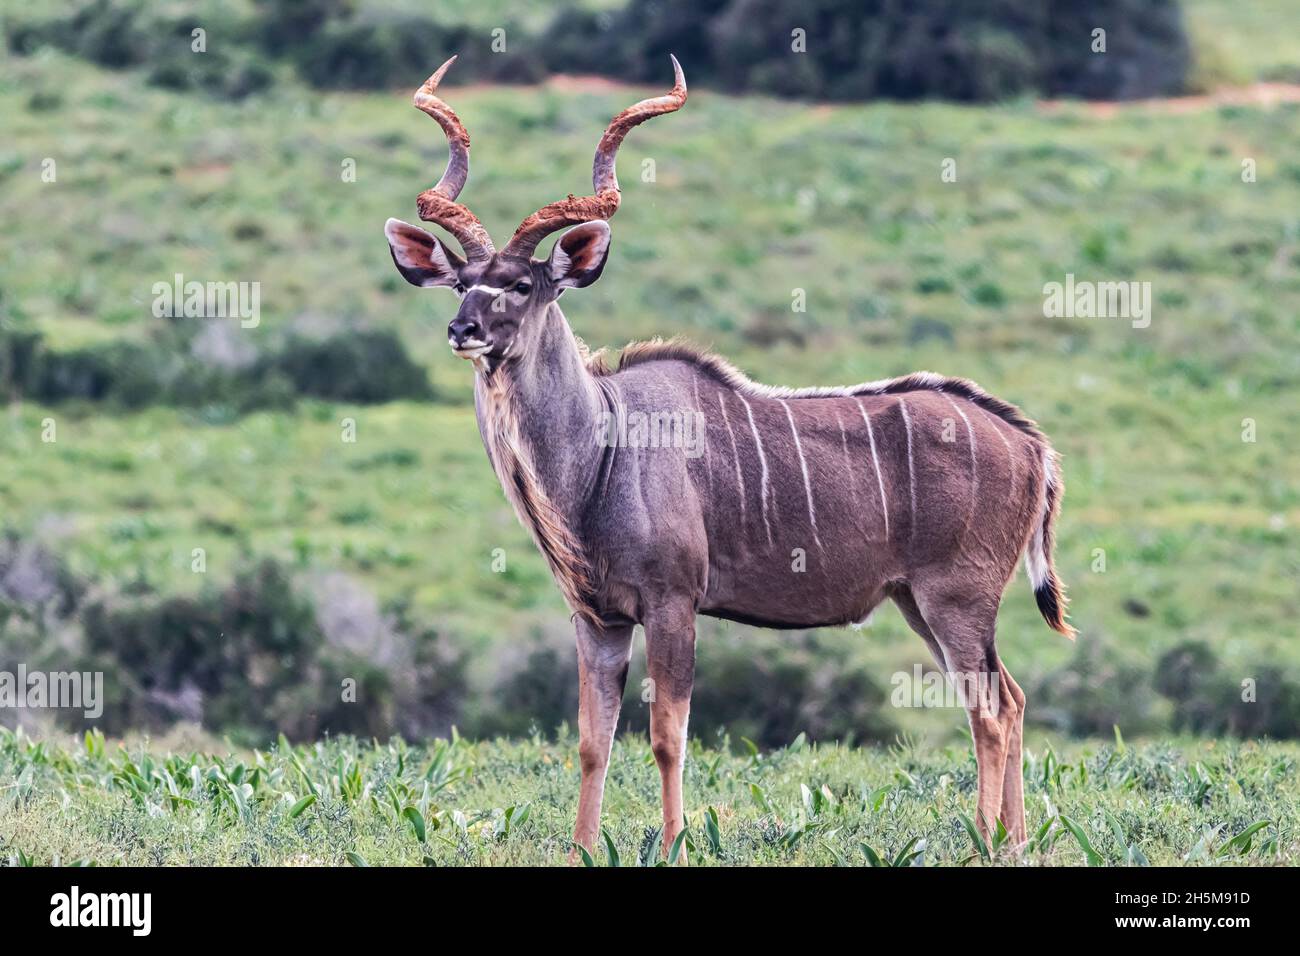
x=1052 y=606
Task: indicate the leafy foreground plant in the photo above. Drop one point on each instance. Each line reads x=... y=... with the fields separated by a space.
x=509 y=802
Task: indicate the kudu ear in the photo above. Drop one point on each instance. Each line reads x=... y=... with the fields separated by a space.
x=420 y=257
x=579 y=256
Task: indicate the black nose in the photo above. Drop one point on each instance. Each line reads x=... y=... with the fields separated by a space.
x=462 y=329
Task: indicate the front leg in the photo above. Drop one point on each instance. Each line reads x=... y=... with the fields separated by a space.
x=670 y=659
x=603 y=655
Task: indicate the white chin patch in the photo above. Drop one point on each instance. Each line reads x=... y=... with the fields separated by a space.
x=471 y=350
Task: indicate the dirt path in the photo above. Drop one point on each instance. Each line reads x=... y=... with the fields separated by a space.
x=1264 y=95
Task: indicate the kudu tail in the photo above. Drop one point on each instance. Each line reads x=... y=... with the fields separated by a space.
x=1049 y=592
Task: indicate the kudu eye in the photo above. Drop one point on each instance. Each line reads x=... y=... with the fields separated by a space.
x=523 y=287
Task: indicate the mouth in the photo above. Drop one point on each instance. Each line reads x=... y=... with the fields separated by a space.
x=471 y=348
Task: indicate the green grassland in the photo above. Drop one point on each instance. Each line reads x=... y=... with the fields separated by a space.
x=751 y=199
x=1174 y=529
x=511 y=803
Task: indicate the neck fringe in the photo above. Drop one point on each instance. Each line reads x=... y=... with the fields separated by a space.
x=512 y=460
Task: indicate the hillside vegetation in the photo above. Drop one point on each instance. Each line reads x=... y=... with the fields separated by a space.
x=1177 y=538
x=825 y=49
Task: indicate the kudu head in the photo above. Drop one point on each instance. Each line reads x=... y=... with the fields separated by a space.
x=500 y=291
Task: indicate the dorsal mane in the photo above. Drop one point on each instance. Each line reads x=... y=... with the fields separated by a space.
x=724 y=373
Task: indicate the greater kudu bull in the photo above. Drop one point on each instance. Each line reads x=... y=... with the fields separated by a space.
x=922 y=489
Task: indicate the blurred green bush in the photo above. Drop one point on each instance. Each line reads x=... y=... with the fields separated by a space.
x=966 y=50
x=767 y=688
x=1101 y=688
x=1260 y=702
x=261 y=656
x=366 y=365
x=121 y=34
x=370 y=365
x=268 y=654
x=279 y=652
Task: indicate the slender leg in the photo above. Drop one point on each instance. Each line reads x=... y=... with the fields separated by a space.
x=603 y=655
x=1013 y=789
x=989 y=734
x=670 y=659
x=963 y=626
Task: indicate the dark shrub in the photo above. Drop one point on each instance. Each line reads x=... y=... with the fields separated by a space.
x=228 y=74
x=206 y=659
x=1147 y=50
x=361 y=366
x=1188 y=675
x=389 y=52
x=108 y=32
x=119 y=34
x=284 y=24
x=767 y=688
x=353 y=55
x=634 y=42
x=968 y=50
x=19 y=373
x=226 y=393
x=440 y=678
x=127 y=374
x=539 y=694
x=772 y=687
x=365 y=366
x=254 y=661
x=1274 y=711
x=262 y=656
x=1208 y=701
x=1095 y=692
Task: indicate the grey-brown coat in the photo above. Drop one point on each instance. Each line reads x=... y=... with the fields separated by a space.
x=674 y=486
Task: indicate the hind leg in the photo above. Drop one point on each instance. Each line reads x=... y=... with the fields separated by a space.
x=906 y=603
x=963 y=627
x=1013 y=783
x=670 y=663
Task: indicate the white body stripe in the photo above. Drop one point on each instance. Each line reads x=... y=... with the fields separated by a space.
x=807 y=485
x=875 y=460
x=974 y=471
x=708 y=467
x=911 y=467
x=762 y=460
x=1000 y=426
x=735 y=455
